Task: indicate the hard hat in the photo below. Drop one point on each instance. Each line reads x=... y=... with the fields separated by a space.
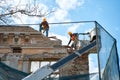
x=44 y=19
x=69 y=33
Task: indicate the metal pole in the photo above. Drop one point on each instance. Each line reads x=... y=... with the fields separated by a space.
x=97 y=43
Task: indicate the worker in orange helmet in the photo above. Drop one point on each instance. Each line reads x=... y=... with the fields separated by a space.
x=44 y=26
x=75 y=40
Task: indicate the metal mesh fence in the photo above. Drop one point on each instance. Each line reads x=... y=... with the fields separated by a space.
x=111 y=71
x=107 y=55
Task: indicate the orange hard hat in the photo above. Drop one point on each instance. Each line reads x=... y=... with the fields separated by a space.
x=44 y=19
x=69 y=33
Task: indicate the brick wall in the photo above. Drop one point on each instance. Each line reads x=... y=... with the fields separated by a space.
x=76 y=67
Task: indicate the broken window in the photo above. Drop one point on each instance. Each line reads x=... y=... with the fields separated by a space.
x=17 y=50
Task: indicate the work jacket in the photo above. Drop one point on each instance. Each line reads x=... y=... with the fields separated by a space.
x=45 y=25
x=73 y=37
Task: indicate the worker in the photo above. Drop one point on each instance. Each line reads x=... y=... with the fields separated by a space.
x=92 y=34
x=44 y=26
x=75 y=40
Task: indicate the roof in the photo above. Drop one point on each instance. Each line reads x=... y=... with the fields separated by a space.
x=13 y=28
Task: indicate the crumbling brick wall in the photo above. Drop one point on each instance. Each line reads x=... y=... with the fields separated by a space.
x=76 y=67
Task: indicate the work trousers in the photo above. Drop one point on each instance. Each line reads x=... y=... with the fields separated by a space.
x=44 y=30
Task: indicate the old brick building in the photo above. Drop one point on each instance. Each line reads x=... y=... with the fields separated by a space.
x=21 y=45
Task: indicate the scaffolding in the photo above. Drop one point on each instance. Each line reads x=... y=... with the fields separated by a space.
x=107 y=55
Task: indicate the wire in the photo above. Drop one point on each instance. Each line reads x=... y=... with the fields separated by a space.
x=57 y=23
x=73 y=22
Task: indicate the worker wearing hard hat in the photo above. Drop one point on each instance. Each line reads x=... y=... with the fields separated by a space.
x=75 y=40
x=44 y=26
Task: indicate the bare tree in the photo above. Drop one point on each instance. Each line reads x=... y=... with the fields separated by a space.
x=8 y=11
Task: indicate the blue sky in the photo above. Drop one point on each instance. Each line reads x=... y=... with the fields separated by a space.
x=105 y=12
